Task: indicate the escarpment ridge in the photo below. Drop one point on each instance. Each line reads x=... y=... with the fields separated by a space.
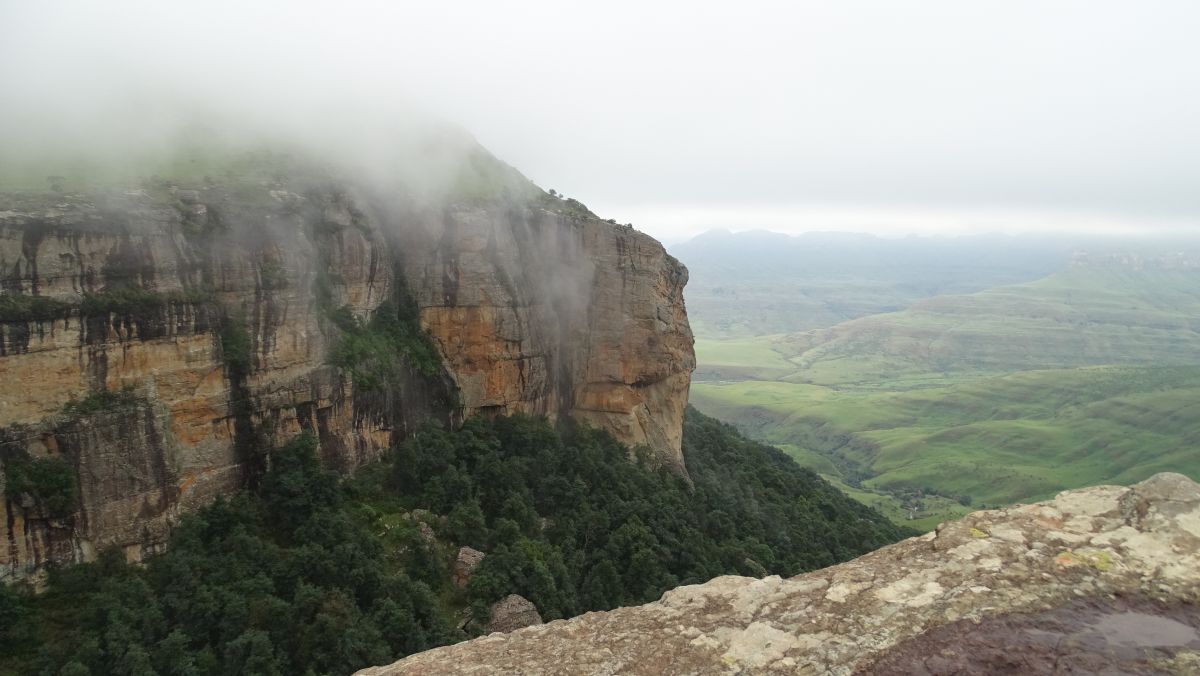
x=1098 y=580
x=157 y=339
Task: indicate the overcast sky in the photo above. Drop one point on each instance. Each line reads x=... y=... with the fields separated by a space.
x=884 y=116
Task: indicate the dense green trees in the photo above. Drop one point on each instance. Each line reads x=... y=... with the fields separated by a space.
x=573 y=525
x=283 y=581
x=311 y=575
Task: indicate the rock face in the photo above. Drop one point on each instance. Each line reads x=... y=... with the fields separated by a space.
x=511 y=613
x=465 y=563
x=1100 y=580
x=211 y=308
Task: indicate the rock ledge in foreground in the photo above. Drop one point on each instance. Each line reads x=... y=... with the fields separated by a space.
x=1098 y=557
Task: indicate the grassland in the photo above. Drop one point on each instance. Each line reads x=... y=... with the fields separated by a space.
x=1012 y=394
x=1080 y=317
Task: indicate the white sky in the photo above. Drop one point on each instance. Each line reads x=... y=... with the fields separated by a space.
x=881 y=116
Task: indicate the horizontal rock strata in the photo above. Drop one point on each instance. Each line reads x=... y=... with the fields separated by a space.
x=213 y=307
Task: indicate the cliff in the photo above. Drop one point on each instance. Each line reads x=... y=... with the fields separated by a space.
x=155 y=340
x=1099 y=580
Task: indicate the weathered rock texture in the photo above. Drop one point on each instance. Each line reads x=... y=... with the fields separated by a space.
x=511 y=613
x=465 y=563
x=1106 y=576
x=535 y=305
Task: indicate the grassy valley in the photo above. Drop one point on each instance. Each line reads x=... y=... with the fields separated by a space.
x=1091 y=375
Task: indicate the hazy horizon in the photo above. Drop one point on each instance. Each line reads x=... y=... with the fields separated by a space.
x=862 y=116
x=1083 y=237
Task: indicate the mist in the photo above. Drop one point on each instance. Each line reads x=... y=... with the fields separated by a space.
x=870 y=116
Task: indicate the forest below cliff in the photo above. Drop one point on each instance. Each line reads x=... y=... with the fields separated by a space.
x=314 y=574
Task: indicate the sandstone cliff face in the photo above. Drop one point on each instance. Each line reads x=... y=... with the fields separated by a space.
x=532 y=308
x=1099 y=580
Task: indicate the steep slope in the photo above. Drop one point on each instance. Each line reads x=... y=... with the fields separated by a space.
x=153 y=338
x=1100 y=578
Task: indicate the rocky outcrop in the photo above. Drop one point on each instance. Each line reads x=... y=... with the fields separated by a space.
x=465 y=563
x=218 y=305
x=1100 y=580
x=558 y=314
x=511 y=613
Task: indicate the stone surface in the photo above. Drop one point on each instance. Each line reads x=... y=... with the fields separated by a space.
x=534 y=308
x=465 y=563
x=511 y=613
x=1107 y=558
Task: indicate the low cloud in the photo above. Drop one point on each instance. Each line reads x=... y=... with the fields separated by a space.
x=1076 y=114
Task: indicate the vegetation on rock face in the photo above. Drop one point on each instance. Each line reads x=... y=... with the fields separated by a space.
x=50 y=482
x=101 y=400
x=21 y=308
x=308 y=576
x=126 y=301
x=137 y=302
x=375 y=352
x=237 y=347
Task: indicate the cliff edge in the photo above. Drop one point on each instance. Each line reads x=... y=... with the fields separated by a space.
x=1098 y=580
x=157 y=340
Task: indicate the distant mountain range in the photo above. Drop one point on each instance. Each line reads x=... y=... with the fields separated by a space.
x=759 y=283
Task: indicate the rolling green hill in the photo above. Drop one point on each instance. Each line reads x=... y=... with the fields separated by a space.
x=1083 y=316
x=755 y=283
x=1091 y=375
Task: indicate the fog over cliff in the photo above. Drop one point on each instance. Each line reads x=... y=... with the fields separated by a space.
x=863 y=115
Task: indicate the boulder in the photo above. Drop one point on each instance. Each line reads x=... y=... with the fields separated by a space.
x=465 y=564
x=511 y=613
